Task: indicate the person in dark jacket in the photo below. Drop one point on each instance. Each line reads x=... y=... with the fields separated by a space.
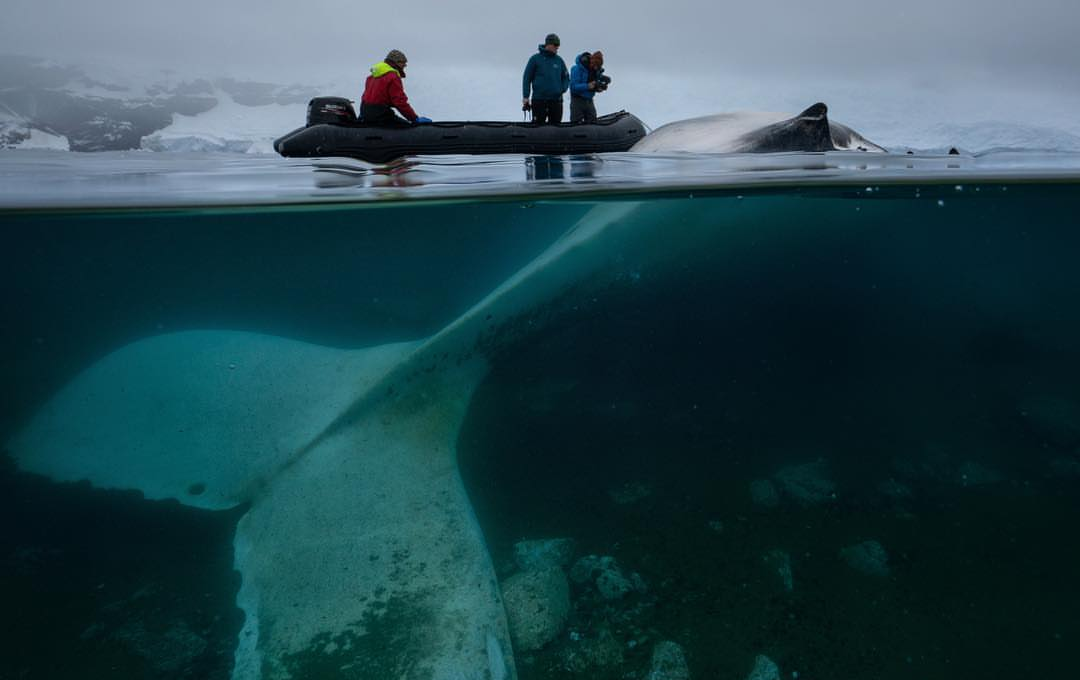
x=547 y=77
x=582 y=90
x=384 y=92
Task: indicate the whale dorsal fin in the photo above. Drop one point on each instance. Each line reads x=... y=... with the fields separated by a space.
x=816 y=111
x=808 y=131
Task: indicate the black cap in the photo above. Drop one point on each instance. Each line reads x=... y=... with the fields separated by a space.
x=551 y=39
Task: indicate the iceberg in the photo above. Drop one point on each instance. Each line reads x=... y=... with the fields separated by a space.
x=228 y=127
x=39 y=139
x=18 y=133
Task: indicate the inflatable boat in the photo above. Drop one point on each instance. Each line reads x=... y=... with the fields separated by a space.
x=333 y=130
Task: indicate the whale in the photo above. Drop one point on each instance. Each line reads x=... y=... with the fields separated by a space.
x=756 y=132
x=357 y=546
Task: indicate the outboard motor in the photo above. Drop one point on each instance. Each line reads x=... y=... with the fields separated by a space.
x=330 y=110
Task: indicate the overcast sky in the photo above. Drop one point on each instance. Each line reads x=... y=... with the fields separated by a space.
x=1030 y=36
x=795 y=46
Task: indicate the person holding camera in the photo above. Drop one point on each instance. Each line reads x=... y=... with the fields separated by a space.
x=583 y=87
x=586 y=79
x=596 y=68
x=582 y=91
x=546 y=76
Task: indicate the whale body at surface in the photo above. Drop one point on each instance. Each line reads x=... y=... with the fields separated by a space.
x=756 y=132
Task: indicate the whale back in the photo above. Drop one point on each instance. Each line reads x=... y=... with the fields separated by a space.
x=756 y=132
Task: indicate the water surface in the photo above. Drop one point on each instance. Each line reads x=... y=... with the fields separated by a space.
x=907 y=336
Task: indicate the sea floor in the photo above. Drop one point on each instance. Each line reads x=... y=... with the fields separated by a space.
x=980 y=577
x=979 y=572
x=874 y=517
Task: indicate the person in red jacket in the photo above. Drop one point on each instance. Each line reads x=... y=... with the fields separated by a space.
x=384 y=92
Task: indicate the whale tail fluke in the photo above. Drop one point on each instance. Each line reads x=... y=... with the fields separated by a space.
x=357 y=535
x=359 y=548
x=366 y=554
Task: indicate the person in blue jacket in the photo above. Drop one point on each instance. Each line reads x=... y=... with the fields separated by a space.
x=547 y=77
x=582 y=90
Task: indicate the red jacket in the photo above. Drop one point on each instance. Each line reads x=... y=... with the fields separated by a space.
x=384 y=87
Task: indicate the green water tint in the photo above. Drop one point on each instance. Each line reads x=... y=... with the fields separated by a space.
x=898 y=341
x=900 y=333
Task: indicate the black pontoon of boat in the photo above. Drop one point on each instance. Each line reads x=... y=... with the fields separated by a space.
x=332 y=130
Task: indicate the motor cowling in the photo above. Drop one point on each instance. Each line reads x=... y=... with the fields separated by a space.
x=330 y=110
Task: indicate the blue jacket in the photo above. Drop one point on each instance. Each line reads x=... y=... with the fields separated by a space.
x=579 y=78
x=547 y=74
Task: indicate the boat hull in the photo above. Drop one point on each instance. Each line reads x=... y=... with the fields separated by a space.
x=614 y=132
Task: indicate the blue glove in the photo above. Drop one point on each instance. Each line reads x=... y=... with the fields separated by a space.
x=421 y=119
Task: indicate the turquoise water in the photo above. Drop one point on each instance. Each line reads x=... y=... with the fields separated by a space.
x=907 y=351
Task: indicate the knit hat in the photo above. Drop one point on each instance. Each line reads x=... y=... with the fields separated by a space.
x=396 y=56
x=551 y=39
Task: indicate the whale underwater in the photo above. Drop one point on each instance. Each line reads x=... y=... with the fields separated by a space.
x=346 y=459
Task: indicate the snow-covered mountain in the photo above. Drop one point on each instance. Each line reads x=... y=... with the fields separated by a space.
x=229 y=127
x=17 y=132
x=47 y=105
x=43 y=103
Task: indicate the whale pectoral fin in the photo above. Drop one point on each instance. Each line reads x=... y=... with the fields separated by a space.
x=205 y=417
x=364 y=559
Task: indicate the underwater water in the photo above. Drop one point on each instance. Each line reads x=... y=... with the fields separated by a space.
x=831 y=422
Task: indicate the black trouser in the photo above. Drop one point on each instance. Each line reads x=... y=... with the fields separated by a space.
x=547 y=111
x=380 y=114
x=582 y=110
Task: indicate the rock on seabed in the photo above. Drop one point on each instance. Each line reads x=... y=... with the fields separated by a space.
x=606 y=575
x=668 y=662
x=808 y=483
x=869 y=557
x=537 y=604
x=764 y=669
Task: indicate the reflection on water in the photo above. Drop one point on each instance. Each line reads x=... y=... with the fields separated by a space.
x=561 y=168
x=833 y=431
x=52 y=179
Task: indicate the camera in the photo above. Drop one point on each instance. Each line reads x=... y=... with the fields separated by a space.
x=602 y=81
